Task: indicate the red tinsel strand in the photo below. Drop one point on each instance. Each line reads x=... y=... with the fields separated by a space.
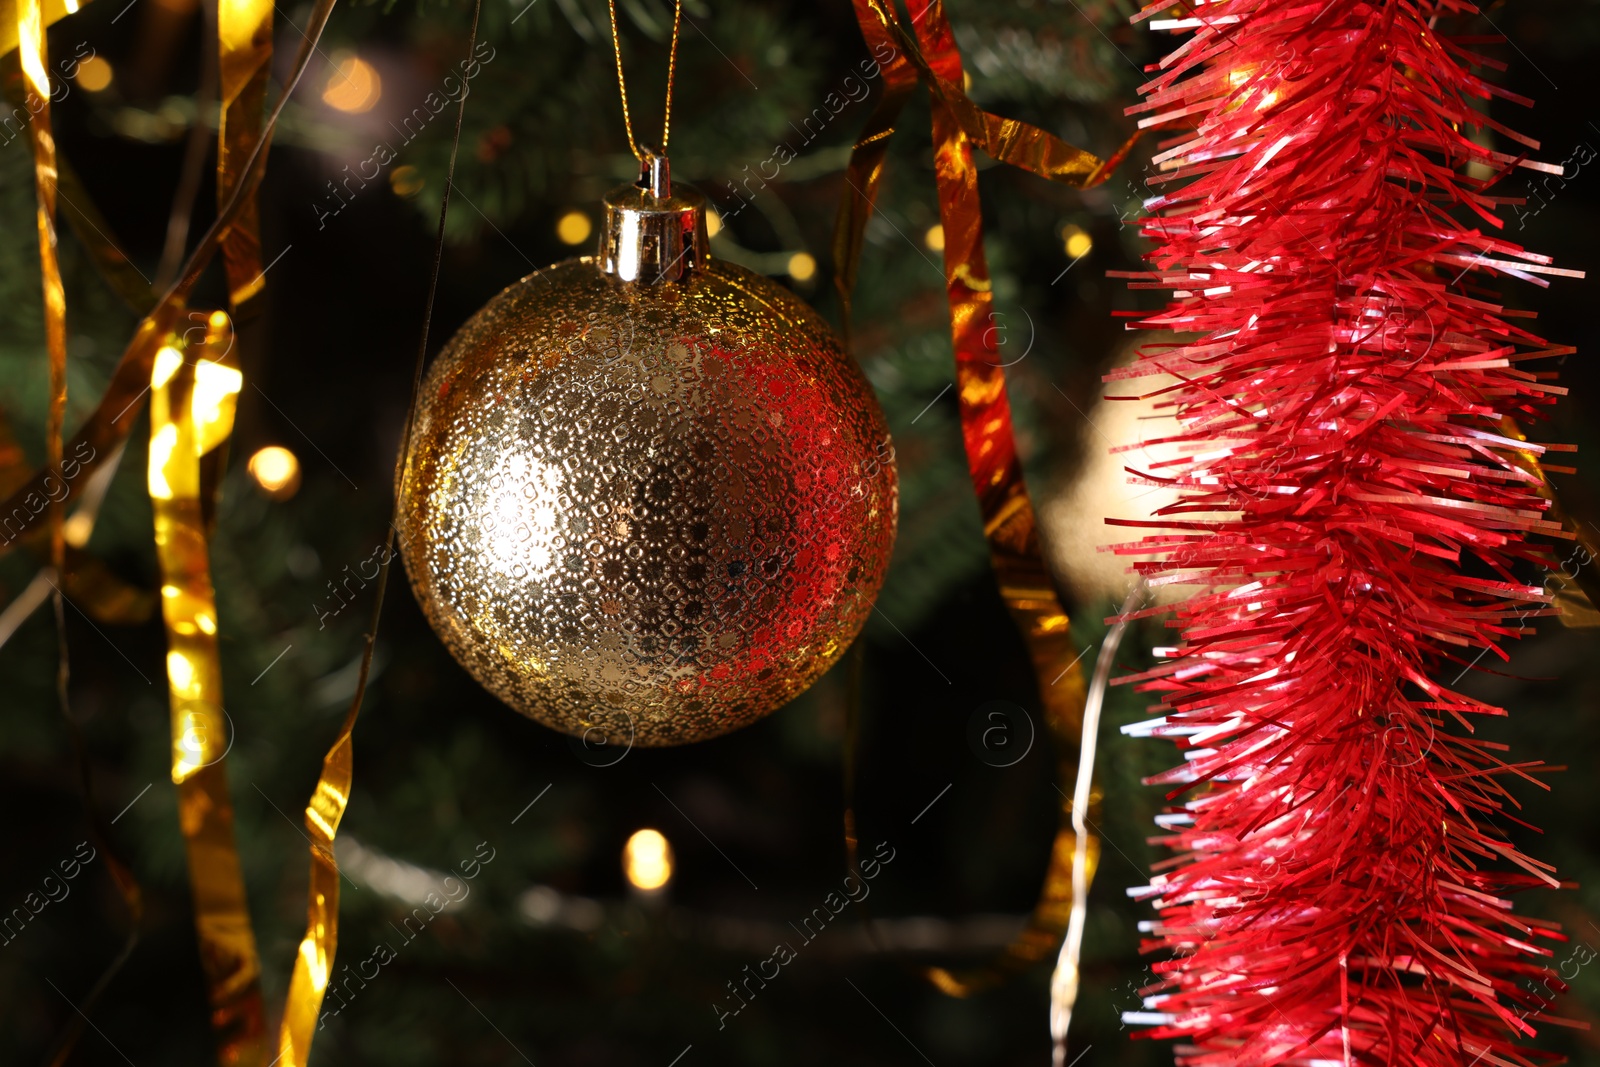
x=1354 y=513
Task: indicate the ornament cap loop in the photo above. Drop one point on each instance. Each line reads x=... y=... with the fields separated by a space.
x=655 y=173
x=654 y=232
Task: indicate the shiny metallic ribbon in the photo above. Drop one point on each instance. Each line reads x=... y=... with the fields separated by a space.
x=864 y=173
x=192 y=397
x=32 y=51
x=27 y=21
x=986 y=425
x=182 y=432
x=313 y=962
x=15 y=32
x=192 y=408
x=244 y=51
x=118 y=410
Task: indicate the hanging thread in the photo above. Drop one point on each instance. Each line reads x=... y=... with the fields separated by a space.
x=622 y=84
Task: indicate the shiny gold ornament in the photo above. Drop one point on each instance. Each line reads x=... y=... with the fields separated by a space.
x=648 y=495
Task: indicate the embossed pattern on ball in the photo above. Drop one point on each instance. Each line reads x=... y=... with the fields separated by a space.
x=647 y=513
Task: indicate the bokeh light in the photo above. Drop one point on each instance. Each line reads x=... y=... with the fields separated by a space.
x=94 y=74
x=647 y=860
x=276 y=471
x=574 y=228
x=1076 y=241
x=354 y=86
x=406 y=181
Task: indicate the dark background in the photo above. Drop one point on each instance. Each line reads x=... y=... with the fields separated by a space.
x=440 y=766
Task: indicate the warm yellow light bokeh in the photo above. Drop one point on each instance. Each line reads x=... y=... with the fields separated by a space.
x=276 y=470
x=802 y=266
x=574 y=228
x=94 y=74
x=1076 y=241
x=647 y=860
x=406 y=181
x=934 y=238
x=354 y=86
x=713 y=223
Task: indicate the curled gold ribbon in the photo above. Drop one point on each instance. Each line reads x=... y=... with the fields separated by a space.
x=244 y=51
x=313 y=962
x=47 y=12
x=1008 y=516
x=864 y=173
x=118 y=409
x=27 y=21
x=192 y=414
x=32 y=51
x=77 y=207
x=192 y=397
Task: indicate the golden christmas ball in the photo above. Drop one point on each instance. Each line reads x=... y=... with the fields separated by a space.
x=647 y=496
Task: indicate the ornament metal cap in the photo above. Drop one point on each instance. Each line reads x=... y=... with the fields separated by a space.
x=653 y=232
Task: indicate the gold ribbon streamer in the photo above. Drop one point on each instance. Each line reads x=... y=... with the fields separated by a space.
x=313 y=963
x=1008 y=517
x=192 y=399
x=992 y=461
x=33 y=54
x=229 y=957
x=864 y=173
x=244 y=50
x=27 y=21
x=314 y=960
x=87 y=224
x=119 y=406
x=11 y=13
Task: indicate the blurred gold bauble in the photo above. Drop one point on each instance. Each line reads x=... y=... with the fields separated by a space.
x=647 y=493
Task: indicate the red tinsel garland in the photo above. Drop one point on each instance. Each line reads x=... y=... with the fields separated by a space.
x=1354 y=506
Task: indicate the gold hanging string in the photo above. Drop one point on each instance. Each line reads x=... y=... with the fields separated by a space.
x=622 y=84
